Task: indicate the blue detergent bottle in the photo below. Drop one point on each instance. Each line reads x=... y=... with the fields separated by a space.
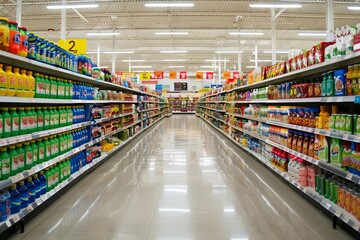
x=24 y=195
x=42 y=179
x=37 y=186
x=3 y=215
x=31 y=190
x=8 y=202
x=15 y=199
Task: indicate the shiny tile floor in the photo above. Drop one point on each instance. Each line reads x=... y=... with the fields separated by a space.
x=181 y=180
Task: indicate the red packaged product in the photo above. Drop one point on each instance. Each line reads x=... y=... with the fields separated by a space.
x=310 y=57
x=282 y=69
x=304 y=59
x=299 y=62
x=319 y=51
x=288 y=65
x=293 y=64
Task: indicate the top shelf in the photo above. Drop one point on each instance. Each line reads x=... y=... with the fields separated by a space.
x=36 y=66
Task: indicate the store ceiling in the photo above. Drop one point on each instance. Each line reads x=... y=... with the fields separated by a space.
x=208 y=24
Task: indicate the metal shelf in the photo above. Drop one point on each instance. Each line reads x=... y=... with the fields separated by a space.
x=58 y=101
x=212 y=102
x=245 y=117
x=339 y=99
x=151 y=109
x=218 y=119
x=213 y=109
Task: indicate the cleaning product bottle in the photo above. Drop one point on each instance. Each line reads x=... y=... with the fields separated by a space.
x=14 y=122
x=40 y=119
x=48 y=179
x=61 y=144
x=323 y=149
x=35 y=149
x=35 y=118
x=71 y=90
x=43 y=183
x=26 y=83
x=37 y=184
x=27 y=119
x=1 y=125
x=20 y=83
x=57 y=117
x=23 y=121
x=47 y=84
x=14 y=160
x=41 y=150
x=53 y=87
x=3 y=82
x=15 y=200
x=32 y=83
x=11 y=81
x=21 y=157
x=47 y=146
x=70 y=141
x=46 y=118
x=51 y=117
x=7 y=122
x=66 y=89
x=61 y=89
x=57 y=144
x=336 y=152
x=39 y=86
x=24 y=195
x=5 y=163
x=56 y=174
x=31 y=190
x=53 y=178
x=52 y=147
x=355 y=82
x=29 y=155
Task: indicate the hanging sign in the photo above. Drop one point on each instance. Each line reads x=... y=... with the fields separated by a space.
x=236 y=75
x=199 y=75
x=226 y=75
x=172 y=75
x=76 y=46
x=127 y=75
x=158 y=75
x=144 y=76
x=209 y=75
x=183 y=75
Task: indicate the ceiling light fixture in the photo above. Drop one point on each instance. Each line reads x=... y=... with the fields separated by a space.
x=267 y=60
x=173 y=51
x=247 y=33
x=103 y=34
x=171 y=33
x=70 y=6
x=174 y=60
x=356 y=7
x=176 y=66
x=312 y=34
x=119 y=52
x=279 y=51
x=228 y=51
x=142 y=66
x=167 y=4
x=274 y=5
x=135 y=60
x=250 y=67
x=207 y=66
x=216 y=60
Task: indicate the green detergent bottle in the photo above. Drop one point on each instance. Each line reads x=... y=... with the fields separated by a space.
x=40 y=119
x=69 y=115
x=14 y=160
x=57 y=145
x=39 y=86
x=21 y=157
x=47 y=146
x=41 y=151
x=53 y=87
x=7 y=122
x=47 y=87
x=57 y=175
x=5 y=163
x=34 y=117
x=14 y=122
x=29 y=156
x=46 y=118
x=61 y=89
x=57 y=117
x=23 y=121
x=48 y=179
x=35 y=149
x=1 y=126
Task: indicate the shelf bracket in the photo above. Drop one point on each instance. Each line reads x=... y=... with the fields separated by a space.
x=334 y=221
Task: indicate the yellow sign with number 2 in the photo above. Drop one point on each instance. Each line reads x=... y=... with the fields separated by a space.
x=75 y=46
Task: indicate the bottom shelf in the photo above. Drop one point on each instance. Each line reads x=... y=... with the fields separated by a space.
x=328 y=205
x=184 y=112
x=14 y=218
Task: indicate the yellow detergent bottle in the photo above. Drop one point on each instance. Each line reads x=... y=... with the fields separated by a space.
x=20 y=83
x=26 y=82
x=3 y=82
x=31 y=84
x=12 y=82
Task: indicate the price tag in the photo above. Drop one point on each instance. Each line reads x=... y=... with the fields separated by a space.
x=43 y=198
x=30 y=208
x=8 y=223
x=346 y=218
x=337 y=213
x=357 y=99
x=12 y=140
x=38 y=201
x=356 y=225
x=349 y=176
x=16 y=218
x=51 y=193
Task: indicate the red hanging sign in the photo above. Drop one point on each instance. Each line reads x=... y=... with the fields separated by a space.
x=236 y=75
x=209 y=75
x=183 y=75
x=158 y=75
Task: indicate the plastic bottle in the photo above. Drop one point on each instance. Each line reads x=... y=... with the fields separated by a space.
x=51 y=117
x=40 y=119
x=24 y=195
x=23 y=50
x=66 y=89
x=32 y=83
x=53 y=147
x=39 y=86
x=21 y=156
x=57 y=145
x=330 y=89
x=324 y=85
x=61 y=171
x=20 y=83
x=71 y=90
x=37 y=184
x=5 y=34
x=61 y=89
x=1 y=126
x=31 y=190
x=26 y=83
x=53 y=87
x=5 y=163
x=48 y=179
x=46 y=118
x=56 y=117
x=43 y=183
x=57 y=175
x=11 y=81
x=15 y=199
x=3 y=79
x=40 y=151
x=47 y=146
x=69 y=115
x=7 y=122
x=29 y=155
x=35 y=119
x=28 y=116
x=53 y=177
x=23 y=121
x=70 y=141
x=14 y=122
x=35 y=149
x=47 y=84
x=14 y=43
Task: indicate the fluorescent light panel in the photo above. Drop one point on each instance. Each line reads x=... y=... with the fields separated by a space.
x=250 y=66
x=174 y=60
x=357 y=7
x=312 y=34
x=206 y=66
x=274 y=5
x=119 y=52
x=173 y=51
x=141 y=66
x=171 y=33
x=103 y=34
x=72 y=6
x=263 y=60
x=279 y=51
x=247 y=33
x=228 y=51
x=176 y=66
x=135 y=60
x=216 y=60
x=168 y=4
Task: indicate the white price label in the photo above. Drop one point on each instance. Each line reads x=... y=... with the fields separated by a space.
x=43 y=198
x=3 y=142
x=356 y=226
x=12 y=140
x=16 y=218
x=349 y=176
x=337 y=213
x=339 y=99
x=346 y=218
x=8 y=223
x=30 y=208
x=38 y=201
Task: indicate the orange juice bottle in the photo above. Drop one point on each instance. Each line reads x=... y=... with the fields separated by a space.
x=26 y=82
x=12 y=82
x=3 y=82
x=31 y=84
x=20 y=83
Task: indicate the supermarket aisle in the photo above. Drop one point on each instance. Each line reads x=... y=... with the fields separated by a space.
x=180 y=181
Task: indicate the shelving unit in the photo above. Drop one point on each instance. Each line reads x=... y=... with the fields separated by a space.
x=183 y=104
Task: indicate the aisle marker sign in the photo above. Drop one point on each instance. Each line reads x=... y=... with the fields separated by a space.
x=158 y=75
x=209 y=75
x=145 y=76
x=226 y=75
x=236 y=75
x=183 y=75
x=172 y=75
x=76 y=46
x=199 y=75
